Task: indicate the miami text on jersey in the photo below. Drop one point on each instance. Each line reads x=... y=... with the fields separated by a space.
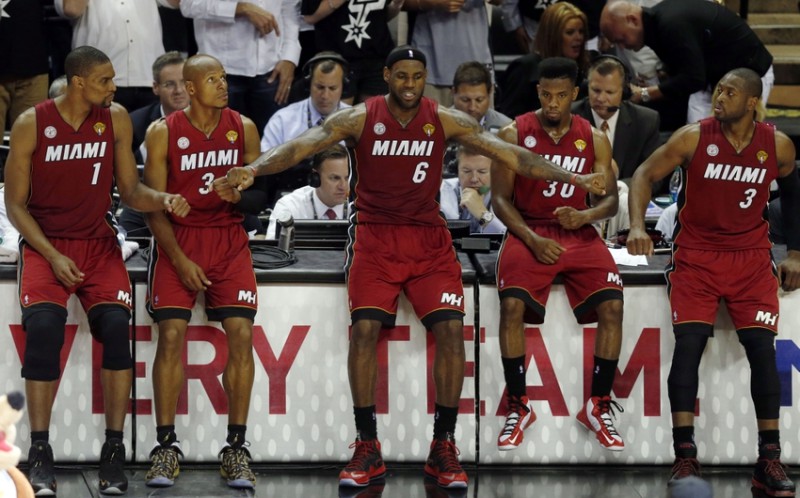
x=69 y=152
x=210 y=159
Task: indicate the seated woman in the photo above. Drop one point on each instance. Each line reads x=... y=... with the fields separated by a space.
x=562 y=33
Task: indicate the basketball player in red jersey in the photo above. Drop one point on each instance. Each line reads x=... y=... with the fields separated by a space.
x=398 y=241
x=66 y=155
x=551 y=233
x=721 y=250
x=189 y=152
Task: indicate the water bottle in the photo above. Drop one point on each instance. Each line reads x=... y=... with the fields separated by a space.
x=286 y=239
x=675 y=185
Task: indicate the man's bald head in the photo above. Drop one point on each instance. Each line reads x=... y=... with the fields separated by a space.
x=198 y=65
x=206 y=82
x=621 y=24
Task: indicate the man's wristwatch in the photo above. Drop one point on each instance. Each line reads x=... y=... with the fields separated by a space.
x=645 y=94
x=486 y=218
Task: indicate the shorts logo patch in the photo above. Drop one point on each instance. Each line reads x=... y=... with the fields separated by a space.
x=614 y=278
x=451 y=299
x=247 y=296
x=124 y=297
x=767 y=318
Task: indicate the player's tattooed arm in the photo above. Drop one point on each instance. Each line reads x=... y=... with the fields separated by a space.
x=345 y=124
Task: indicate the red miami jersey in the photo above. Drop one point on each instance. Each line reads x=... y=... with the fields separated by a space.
x=72 y=174
x=194 y=161
x=397 y=170
x=536 y=199
x=721 y=204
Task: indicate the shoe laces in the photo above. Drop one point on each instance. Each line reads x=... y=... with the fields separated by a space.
x=164 y=459
x=236 y=461
x=361 y=453
x=684 y=467
x=516 y=410
x=445 y=453
x=606 y=408
x=116 y=453
x=775 y=469
x=42 y=455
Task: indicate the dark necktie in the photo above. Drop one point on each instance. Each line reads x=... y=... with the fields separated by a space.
x=330 y=214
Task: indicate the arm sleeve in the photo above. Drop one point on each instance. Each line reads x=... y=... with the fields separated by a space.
x=209 y=10
x=254 y=199
x=290 y=31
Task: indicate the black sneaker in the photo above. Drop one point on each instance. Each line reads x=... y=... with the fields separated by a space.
x=770 y=476
x=112 y=468
x=684 y=467
x=41 y=473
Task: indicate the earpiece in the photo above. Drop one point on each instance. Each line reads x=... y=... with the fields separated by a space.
x=627 y=77
x=327 y=55
x=313 y=178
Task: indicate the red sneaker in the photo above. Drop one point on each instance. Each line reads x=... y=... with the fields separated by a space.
x=443 y=464
x=596 y=416
x=520 y=416
x=365 y=466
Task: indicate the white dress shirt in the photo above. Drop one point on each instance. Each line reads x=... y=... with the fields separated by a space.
x=302 y=204
x=449 y=205
x=612 y=125
x=127 y=31
x=236 y=42
x=290 y=122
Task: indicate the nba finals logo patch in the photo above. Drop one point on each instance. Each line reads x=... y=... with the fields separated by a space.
x=429 y=129
x=379 y=128
x=232 y=136
x=580 y=144
x=712 y=150
x=50 y=132
x=183 y=143
x=761 y=156
x=530 y=142
x=99 y=128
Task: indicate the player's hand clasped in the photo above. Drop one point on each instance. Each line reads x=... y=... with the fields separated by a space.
x=594 y=183
x=177 y=205
x=789 y=272
x=639 y=243
x=240 y=178
x=226 y=191
x=546 y=250
x=569 y=217
x=66 y=271
x=192 y=276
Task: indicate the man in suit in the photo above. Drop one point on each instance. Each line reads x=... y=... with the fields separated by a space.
x=632 y=129
x=172 y=96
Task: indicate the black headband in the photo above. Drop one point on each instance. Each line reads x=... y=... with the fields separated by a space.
x=405 y=53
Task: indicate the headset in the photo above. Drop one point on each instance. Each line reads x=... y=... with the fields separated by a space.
x=327 y=55
x=626 y=74
x=334 y=152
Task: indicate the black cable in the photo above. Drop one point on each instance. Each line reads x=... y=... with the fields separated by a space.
x=263 y=257
x=269 y=258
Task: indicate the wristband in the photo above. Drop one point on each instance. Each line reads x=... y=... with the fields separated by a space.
x=252 y=170
x=572 y=179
